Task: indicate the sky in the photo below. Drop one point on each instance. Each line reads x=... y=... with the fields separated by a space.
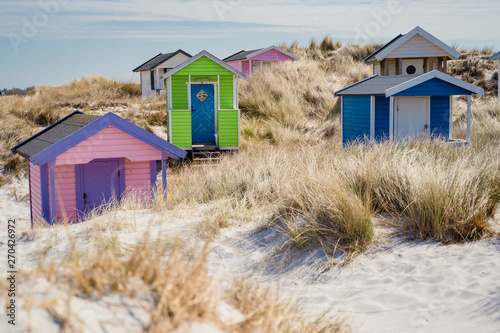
x=54 y=41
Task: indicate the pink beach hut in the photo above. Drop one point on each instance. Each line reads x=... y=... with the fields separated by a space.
x=248 y=62
x=83 y=162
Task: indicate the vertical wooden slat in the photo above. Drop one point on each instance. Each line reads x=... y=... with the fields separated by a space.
x=450 y=121
x=372 y=117
x=469 y=116
x=164 y=178
x=391 y=118
x=53 y=212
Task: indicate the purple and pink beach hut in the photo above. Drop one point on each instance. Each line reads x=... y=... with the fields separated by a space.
x=249 y=62
x=83 y=162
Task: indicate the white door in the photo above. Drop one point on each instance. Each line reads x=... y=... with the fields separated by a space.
x=412 y=117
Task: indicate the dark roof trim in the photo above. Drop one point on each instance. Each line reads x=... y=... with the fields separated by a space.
x=14 y=149
x=98 y=125
x=382 y=48
x=233 y=55
x=156 y=56
x=495 y=57
x=355 y=84
x=173 y=54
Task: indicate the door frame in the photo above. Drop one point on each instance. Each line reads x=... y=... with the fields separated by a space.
x=79 y=181
x=216 y=104
x=427 y=113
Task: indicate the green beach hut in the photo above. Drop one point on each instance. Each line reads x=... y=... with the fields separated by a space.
x=202 y=104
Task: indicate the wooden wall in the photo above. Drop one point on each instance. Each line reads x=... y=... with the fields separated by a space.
x=64 y=178
x=109 y=143
x=35 y=192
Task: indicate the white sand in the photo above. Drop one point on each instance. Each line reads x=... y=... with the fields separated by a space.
x=397 y=286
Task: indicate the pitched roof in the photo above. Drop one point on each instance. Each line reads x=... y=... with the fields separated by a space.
x=392 y=85
x=242 y=55
x=52 y=134
x=371 y=57
x=415 y=81
x=374 y=85
x=77 y=127
x=495 y=57
x=385 y=50
x=246 y=55
x=198 y=56
x=158 y=60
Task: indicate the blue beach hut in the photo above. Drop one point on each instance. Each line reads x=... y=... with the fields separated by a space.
x=409 y=95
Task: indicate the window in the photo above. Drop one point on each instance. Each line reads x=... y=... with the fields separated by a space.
x=152 y=80
x=411 y=70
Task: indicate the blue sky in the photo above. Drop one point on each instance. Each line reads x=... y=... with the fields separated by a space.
x=53 y=41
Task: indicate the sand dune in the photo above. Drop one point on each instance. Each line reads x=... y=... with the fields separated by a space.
x=398 y=285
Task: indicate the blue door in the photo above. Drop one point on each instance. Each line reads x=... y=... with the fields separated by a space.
x=203 y=113
x=100 y=183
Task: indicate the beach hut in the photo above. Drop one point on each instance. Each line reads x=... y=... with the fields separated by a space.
x=154 y=68
x=409 y=95
x=249 y=62
x=497 y=58
x=82 y=162
x=202 y=104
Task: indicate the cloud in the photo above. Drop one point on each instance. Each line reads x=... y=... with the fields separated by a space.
x=173 y=19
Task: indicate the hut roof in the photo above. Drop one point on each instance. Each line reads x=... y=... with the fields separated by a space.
x=246 y=55
x=392 y=85
x=77 y=127
x=158 y=60
x=52 y=134
x=495 y=57
x=381 y=53
x=198 y=56
x=242 y=55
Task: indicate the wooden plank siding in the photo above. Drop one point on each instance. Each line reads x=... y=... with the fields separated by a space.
x=204 y=66
x=356 y=118
x=174 y=61
x=35 y=192
x=417 y=47
x=179 y=92
x=272 y=55
x=235 y=64
x=228 y=128
x=109 y=143
x=382 y=109
x=138 y=178
x=440 y=116
x=434 y=87
x=64 y=178
x=226 y=92
x=181 y=129
x=245 y=67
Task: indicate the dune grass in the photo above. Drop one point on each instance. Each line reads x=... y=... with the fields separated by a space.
x=173 y=285
x=23 y=116
x=291 y=164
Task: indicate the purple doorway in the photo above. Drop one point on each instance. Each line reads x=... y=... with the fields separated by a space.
x=100 y=183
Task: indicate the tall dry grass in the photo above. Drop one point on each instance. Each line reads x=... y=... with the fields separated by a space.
x=267 y=313
x=174 y=288
x=294 y=103
x=323 y=193
x=23 y=116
